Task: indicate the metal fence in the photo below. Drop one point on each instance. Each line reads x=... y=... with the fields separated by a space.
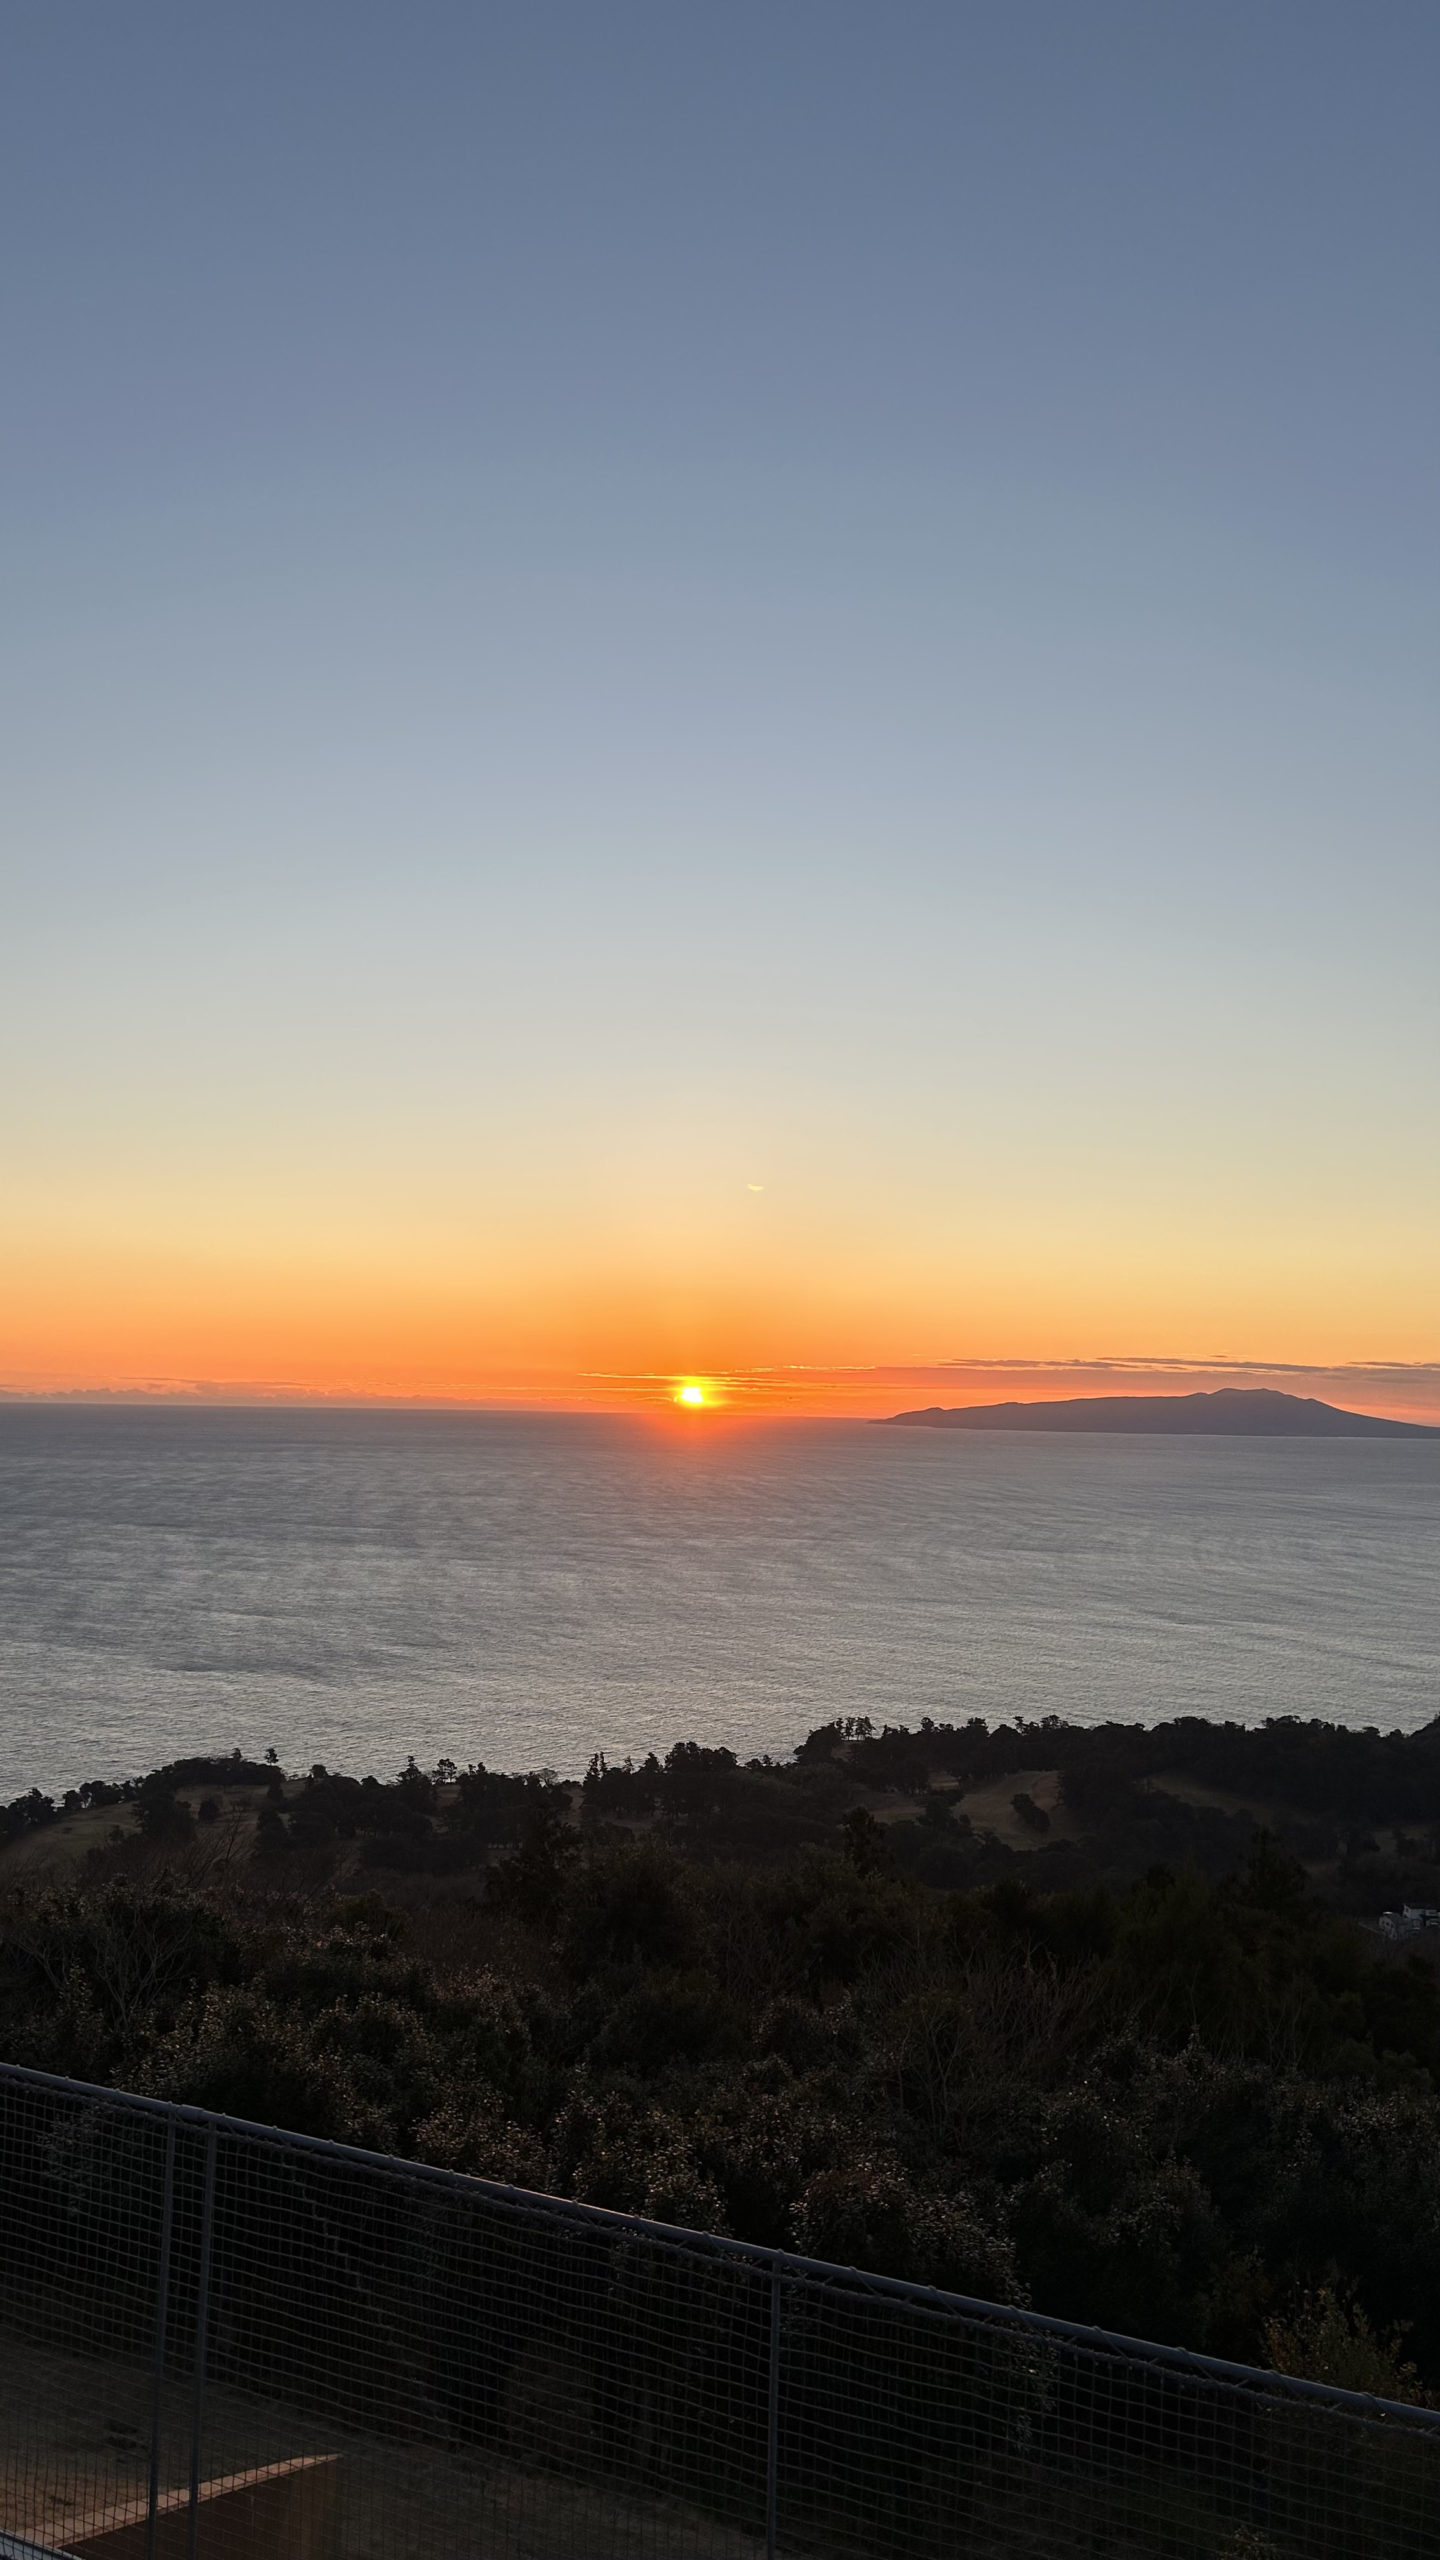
x=199 y=2315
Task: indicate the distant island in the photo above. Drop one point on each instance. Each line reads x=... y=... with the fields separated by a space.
x=1228 y=1412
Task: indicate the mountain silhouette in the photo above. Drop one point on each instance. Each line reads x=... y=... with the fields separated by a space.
x=1238 y=1412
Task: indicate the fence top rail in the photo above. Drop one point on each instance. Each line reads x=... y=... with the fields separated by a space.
x=755 y=2255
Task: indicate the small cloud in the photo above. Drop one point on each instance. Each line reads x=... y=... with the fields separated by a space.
x=754 y=1186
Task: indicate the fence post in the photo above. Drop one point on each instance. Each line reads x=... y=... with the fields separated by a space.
x=772 y=2431
x=162 y=2313
x=202 y=2332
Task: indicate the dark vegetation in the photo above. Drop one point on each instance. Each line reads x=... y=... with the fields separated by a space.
x=1154 y=2073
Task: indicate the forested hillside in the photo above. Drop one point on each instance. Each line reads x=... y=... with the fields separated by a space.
x=1157 y=2075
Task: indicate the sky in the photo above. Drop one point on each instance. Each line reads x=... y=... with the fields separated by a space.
x=731 y=693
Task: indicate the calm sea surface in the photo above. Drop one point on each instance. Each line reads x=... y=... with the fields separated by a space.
x=356 y=1586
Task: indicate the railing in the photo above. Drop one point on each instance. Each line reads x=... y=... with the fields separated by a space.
x=190 y=2305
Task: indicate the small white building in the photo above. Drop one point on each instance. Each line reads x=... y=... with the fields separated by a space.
x=1409 y=1920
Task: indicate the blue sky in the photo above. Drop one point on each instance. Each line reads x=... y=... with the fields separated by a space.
x=608 y=605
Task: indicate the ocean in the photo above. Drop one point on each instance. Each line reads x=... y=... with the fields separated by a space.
x=352 y=1587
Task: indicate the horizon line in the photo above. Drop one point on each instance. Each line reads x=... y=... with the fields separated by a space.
x=755 y=1392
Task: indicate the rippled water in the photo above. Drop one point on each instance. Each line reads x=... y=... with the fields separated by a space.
x=355 y=1586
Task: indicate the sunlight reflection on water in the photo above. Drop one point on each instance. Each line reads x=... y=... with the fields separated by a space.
x=527 y=1590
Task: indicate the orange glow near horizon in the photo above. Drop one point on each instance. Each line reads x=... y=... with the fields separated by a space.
x=807 y=1333
x=792 y=1392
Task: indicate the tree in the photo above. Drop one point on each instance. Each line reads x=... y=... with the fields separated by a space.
x=863 y=1839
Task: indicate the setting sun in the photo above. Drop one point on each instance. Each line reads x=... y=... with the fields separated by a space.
x=691 y=1395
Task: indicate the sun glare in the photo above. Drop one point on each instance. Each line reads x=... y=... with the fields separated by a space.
x=691 y=1395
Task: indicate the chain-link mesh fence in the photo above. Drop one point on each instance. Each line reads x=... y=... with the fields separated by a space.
x=219 y=2341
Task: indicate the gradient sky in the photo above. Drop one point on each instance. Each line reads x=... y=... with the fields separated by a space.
x=695 y=688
